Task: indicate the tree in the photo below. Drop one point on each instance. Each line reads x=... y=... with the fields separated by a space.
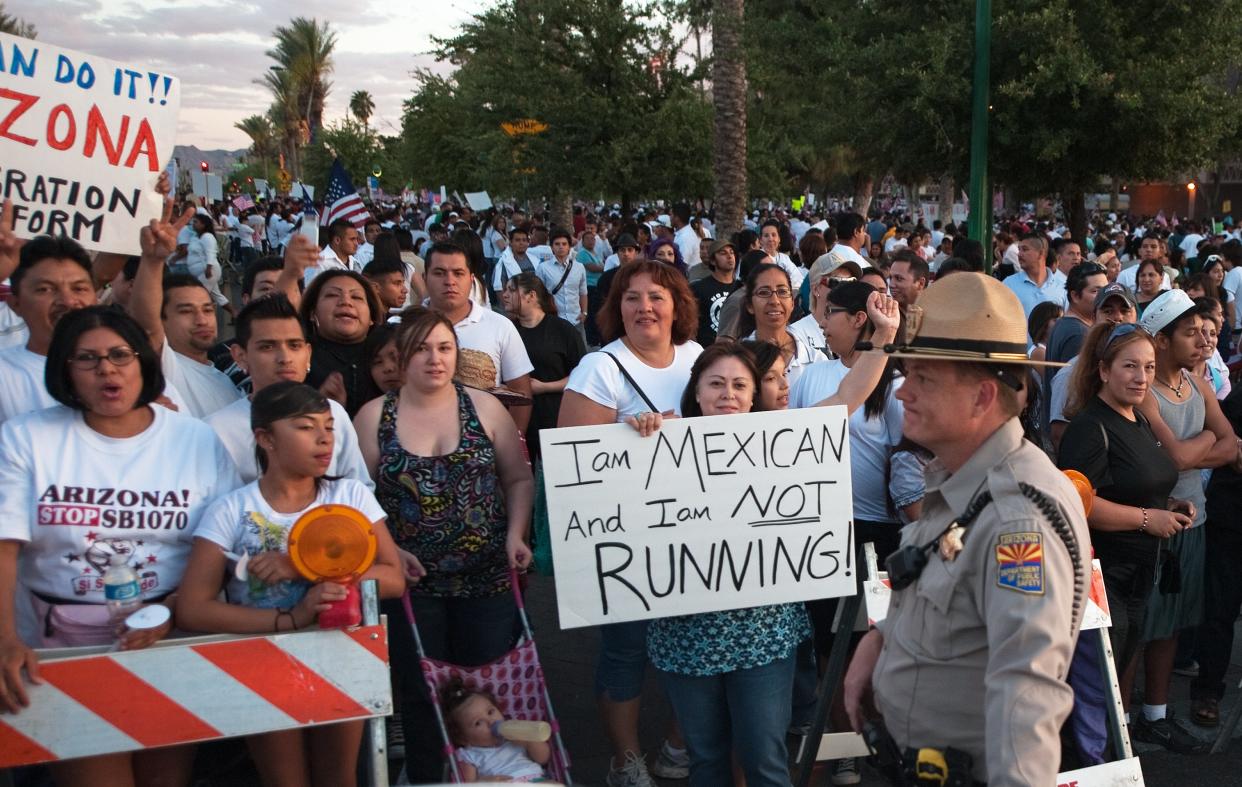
x=263 y=143
x=299 y=81
x=362 y=106
x=14 y=25
x=729 y=102
x=601 y=82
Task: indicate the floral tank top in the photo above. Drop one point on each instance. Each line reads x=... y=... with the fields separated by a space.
x=449 y=510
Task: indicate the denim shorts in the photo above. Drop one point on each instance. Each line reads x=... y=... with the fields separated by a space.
x=622 y=660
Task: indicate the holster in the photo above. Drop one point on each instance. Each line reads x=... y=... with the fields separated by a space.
x=923 y=767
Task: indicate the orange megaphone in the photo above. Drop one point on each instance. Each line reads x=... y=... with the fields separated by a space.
x=1085 y=491
x=334 y=543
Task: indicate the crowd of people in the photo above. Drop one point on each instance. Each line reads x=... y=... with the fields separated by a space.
x=406 y=367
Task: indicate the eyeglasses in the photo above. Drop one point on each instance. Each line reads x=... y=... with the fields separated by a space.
x=117 y=356
x=831 y=310
x=784 y=293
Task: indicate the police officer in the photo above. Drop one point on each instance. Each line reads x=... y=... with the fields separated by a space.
x=975 y=651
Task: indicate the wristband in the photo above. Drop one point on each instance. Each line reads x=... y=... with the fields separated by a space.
x=1143 y=527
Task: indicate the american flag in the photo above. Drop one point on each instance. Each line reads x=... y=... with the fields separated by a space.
x=243 y=202
x=342 y=199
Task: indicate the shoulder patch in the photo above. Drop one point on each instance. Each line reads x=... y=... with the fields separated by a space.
x=1020 y=562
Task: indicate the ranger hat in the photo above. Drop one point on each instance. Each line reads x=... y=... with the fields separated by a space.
x=966 y=317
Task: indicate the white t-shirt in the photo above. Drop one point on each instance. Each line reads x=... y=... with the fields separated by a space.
x=687 y=241
x=488 y=332
x=796 y=274
x=848 y=252
x=871 y=439
x=22 y=388
x=597 y=378
x=243 y=522
x=804 y=355
x=613 y=261
x=328 y=261
x=76 y=497
x=507 y=759
x=809 y=332
x=204 y=388
x=13 y=330
x=1233 y=285
x=232 y=426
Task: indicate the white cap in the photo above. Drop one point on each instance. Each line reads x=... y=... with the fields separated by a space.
x=1165 y=309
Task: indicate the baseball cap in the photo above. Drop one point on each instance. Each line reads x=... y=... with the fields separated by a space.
x=723 y=243
x=1166 y=309
x=1114 y=290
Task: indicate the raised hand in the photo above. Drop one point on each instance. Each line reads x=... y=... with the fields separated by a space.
x=159 y=238
x=10 y=244
x=885 y=316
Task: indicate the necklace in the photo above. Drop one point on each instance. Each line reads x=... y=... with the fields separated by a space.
x=1176 y=391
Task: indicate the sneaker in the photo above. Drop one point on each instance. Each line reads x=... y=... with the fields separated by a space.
x=632 y=774
x=396 y=737
x=672 y=763
x=846 y=771
x=1172 y=736
x=1188 y=670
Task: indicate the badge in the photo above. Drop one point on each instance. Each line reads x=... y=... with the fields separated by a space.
x=1020 y=562
x=951 y=542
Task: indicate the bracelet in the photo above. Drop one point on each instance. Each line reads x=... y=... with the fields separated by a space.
x=1143 y=527
x=293 y=623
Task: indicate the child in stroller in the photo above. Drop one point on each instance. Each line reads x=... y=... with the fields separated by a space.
x=471 y=717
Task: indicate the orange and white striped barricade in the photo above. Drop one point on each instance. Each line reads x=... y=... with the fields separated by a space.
x=94 y=701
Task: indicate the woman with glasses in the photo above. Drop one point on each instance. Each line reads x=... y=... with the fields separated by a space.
x=1110 y=442
x=769 y=307
x=102 y=478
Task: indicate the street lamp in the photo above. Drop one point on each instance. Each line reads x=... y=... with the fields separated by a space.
x=979 y=225
x=1191 y=190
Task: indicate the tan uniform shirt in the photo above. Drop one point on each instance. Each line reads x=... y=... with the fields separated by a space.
x=977 y=650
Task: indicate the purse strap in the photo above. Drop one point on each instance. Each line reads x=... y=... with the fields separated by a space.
x=569 y=267
x=631 y=381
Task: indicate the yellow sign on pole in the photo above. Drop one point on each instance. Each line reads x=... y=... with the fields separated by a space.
x=523 y=127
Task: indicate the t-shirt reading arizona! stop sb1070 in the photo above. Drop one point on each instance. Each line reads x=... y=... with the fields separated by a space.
x=77 y=498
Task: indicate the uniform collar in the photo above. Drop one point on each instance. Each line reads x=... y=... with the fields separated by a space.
x=959 y=488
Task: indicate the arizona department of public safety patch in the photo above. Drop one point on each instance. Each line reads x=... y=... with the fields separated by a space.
x=1020 y=562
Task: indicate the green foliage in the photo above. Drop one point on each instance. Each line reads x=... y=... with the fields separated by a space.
x=360 y=151
x=622 y=119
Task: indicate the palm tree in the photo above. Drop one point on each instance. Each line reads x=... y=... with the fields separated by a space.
x=262 y=138
x=729 y=100
x=14 y=25
x=284 y=115
x=362 y=106
x=303 y=52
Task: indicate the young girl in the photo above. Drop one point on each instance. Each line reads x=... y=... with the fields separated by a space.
x=292 y=426
x=382 y=358
x=482 y=754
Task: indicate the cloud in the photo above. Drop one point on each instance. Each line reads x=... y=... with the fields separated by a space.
x=217 y=49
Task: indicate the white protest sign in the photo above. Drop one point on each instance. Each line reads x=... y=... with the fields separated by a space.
x=1120 y=773
x=708 y=514
x=479 y=200
x=260 y=186
x=215 y=188
x=198 y=183
x=83 y=141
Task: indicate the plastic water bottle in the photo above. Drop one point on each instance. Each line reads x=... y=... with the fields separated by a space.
x=522 y=731
x=122 y=593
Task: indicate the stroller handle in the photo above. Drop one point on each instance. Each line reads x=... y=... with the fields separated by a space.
x=513 y=585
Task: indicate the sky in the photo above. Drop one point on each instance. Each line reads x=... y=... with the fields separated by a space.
x=216 y=48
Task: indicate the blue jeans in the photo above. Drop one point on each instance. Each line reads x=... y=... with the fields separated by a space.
x=745 y=712
x=622 y=660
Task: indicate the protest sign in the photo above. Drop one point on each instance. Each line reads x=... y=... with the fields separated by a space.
x=479 y=200
x=215 y=188
x=82 y=142
x=713 y=513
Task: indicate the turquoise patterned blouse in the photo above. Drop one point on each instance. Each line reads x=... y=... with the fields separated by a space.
x=712 y=643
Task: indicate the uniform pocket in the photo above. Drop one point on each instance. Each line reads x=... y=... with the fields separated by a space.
x=940 y=626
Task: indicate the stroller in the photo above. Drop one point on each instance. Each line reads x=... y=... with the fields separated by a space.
x=515 y=680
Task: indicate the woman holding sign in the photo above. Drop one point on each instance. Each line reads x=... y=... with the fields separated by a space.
x=729 y=674
x=649 y=318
